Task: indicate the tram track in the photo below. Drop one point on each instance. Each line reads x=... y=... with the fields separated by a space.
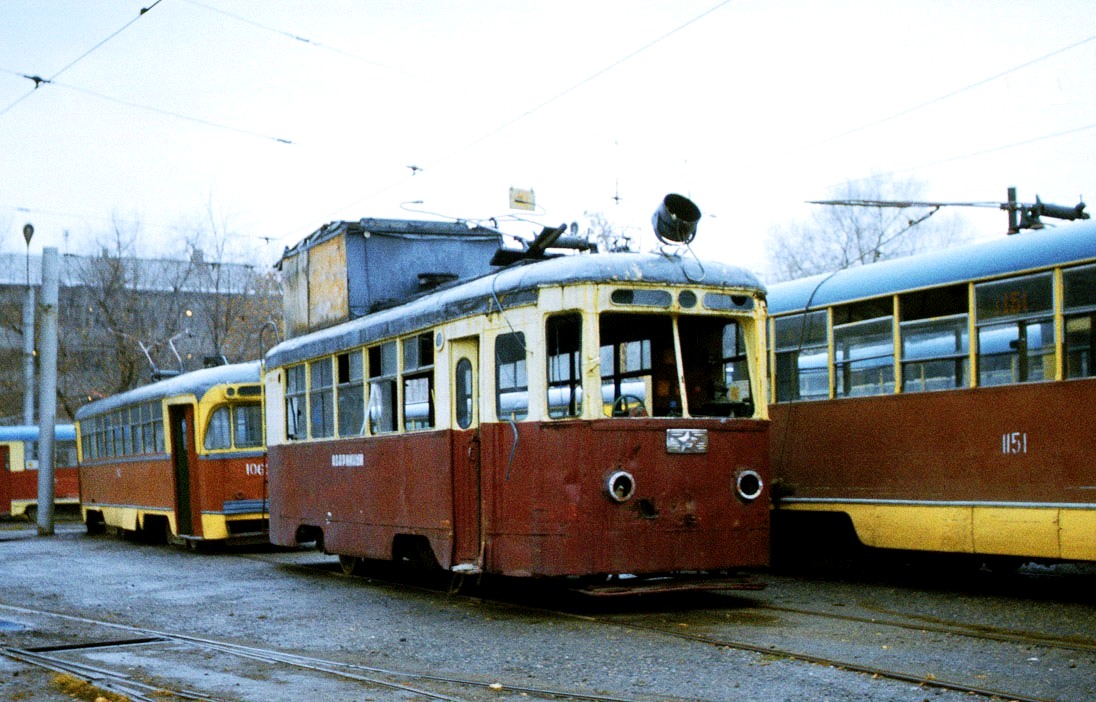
x=124 y=683
x=977 y=632
x=922 y=623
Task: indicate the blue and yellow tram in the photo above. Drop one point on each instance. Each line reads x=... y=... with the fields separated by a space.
x=941 y=402
x=19 y=469
x=180 y=459
x=578 y=415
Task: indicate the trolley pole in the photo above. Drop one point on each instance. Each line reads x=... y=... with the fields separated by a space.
x=28 y=337
x=47 y=391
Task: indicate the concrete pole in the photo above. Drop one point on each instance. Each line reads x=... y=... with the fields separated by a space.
x=28 y=356
x=47 y=392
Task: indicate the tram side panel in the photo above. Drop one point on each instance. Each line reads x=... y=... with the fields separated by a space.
x=997 y=470
x=122 y=492
x=362 y=493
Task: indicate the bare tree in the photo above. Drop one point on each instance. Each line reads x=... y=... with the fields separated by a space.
x=123 y=313
x=600 y=231
x=836 y=237
x=237 y=299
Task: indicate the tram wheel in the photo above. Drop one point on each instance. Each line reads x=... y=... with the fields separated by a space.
x=32 y=514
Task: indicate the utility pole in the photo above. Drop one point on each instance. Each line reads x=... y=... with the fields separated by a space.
x=47 y=398
x=28 y=337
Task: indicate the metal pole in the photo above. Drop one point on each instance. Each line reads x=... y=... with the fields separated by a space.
x=47 y=397
x=28 y=337
x=28 y=355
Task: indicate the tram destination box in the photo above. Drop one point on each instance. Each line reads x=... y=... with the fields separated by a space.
x=345 y=270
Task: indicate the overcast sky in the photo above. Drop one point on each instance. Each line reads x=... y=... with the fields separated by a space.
x=286 y=115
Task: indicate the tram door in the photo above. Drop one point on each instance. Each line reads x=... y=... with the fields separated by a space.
x=184 y=459
x=464 y=409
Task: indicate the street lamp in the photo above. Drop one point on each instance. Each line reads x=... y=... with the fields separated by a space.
x=28 y=337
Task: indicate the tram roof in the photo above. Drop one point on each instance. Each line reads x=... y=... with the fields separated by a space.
x=482 y=294
x=1028 y=251
x=29 y=432
x=193 y=383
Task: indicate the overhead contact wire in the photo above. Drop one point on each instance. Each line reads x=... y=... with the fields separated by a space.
x=39 y=81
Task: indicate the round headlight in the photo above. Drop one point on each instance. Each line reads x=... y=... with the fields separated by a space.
x=748 y=484
x=620 y=486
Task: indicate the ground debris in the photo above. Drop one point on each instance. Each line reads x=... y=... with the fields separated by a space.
x=83 y=690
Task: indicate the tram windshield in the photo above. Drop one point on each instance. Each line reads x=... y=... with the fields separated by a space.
x=639 y=372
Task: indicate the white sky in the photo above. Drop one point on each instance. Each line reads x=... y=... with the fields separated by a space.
x=750 y=107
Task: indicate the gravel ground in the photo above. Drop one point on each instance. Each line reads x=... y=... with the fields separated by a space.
x=295 y=601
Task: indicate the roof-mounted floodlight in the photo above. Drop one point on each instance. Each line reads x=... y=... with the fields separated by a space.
x=675 y=220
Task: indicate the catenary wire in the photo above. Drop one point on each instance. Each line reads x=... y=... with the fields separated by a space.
x=509 y=123
x=38 y=81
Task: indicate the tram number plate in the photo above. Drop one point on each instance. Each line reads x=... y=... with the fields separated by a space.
x=686 y=441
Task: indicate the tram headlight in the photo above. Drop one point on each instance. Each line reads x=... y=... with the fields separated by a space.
x=620 y=486
x=748 y=484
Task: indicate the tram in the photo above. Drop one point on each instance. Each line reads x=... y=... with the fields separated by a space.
x=19 y=470
x=940 y=402
x=583 y=415
x=179 y=460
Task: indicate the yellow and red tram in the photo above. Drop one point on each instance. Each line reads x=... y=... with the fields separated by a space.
x=19 y=469
x=181 y=459
x=578 y=415
x=941 y=402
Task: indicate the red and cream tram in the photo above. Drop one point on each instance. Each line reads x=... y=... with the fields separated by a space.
x=19 y=470
x=942 y=402
x=577 y=415
x=181 y=459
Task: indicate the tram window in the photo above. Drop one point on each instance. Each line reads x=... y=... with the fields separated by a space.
x=1015 y=352
x=646 y=298
x=863 y=357
x=802 y=357
x=383 y=366
x=564 y=334
x=418 y=382
x=127 y=431
x=350 y=393
x=248 y=429
x=148 y=433
x=935 y=354
x=1015 y=330
x=463 y=390
x=511 y=379
x=218 y=432
x=158 y=426
x=638 y=369
x=1079 y=288
x=723 y=301
x=717 y=378
x=136 y=437
x=90 y=437
x=110 y=435
x=321 y=410
x=64 y=453
x=1080 y=346
x=1023 y=298
x=295 y=428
